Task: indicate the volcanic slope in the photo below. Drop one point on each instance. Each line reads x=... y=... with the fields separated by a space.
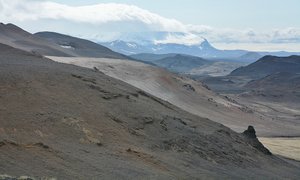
x=16 y=37
x=59 y=45
x=81 y=47
x=69 y=122
x=187 y=94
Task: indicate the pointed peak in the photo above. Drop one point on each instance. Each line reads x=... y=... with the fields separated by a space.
x=204 y=42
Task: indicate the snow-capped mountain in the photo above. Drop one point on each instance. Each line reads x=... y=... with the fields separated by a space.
x=204 y=49
x=123 y=47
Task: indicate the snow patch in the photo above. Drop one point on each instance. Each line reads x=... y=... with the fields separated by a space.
x=67 y=46
x=131 y=45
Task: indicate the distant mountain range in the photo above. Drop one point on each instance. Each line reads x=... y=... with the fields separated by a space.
x=148 y=57
x=181 y=63
x=269 y=73
x=204 y=50
x=269 y=65
x=190 y=65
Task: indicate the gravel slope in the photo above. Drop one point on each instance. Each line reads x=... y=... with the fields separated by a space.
x=70 y=122
x=187 y=94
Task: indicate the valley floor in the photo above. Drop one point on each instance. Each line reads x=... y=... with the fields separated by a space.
x=288 y=147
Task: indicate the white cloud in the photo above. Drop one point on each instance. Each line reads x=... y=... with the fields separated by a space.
x=185 y=38
x=108 y=21
x=20 y=10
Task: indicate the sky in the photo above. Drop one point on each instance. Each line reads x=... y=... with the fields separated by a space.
x=258 y=25
x=258 y=14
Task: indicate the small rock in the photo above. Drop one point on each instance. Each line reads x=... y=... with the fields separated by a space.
x=189 y=87
x=96 y=69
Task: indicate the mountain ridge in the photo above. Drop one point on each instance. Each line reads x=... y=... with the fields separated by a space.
x=81 y=47
x=267 y=65
x=19 y=38
x=204 y=50
x=181 y=63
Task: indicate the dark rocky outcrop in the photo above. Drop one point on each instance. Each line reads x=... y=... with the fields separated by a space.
x=189 y=87
x=250 y=135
